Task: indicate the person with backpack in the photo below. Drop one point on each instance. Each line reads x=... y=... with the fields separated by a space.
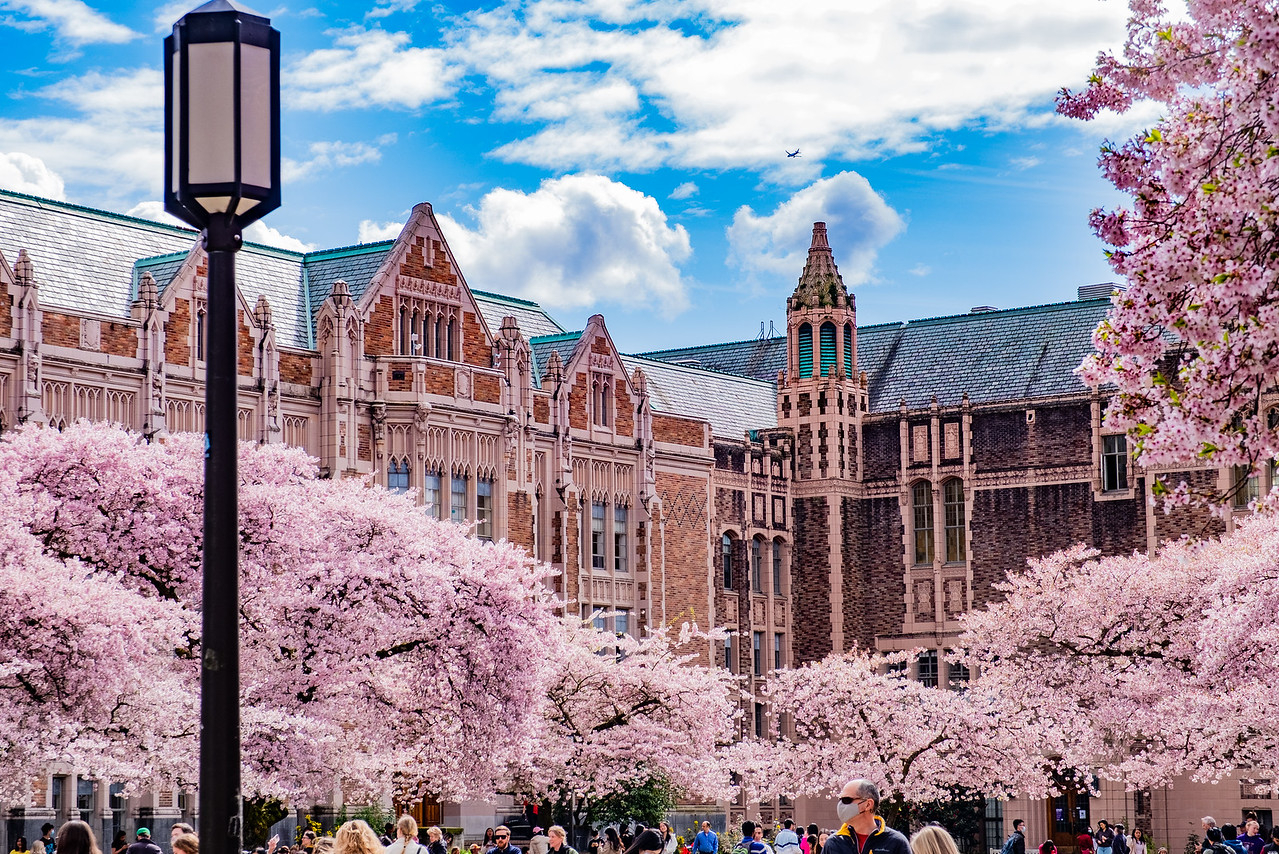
x=1214 y=842
x=1016 y=841
x=743 y=845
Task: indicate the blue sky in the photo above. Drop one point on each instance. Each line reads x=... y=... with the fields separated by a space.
x=628 y=156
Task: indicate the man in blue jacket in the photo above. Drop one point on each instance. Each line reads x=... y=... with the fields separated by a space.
x=706 y=842
x=863 y=832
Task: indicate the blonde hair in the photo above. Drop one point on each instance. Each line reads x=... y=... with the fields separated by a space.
x=356 y=837
x=434 y=832
x=556 y=830
x=324 y=843
x=187 y=843
x=932 y=840
x=407 y=826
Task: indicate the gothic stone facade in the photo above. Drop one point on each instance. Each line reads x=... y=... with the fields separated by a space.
x=836 y=486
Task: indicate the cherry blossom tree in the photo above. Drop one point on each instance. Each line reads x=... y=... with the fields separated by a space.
x=1142 y=669
x=1193 y=343
x=375 y=642
x=857 y=715
x=625 y=711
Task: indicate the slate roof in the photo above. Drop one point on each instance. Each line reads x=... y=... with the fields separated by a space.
x=1017 y=353
x=83 y=258
x=759 y=359
x=354 y=265
x=731 y=404
x=533 y=320
x=543 y=346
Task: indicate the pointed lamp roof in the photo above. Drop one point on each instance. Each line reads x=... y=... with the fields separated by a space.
x=820 y=285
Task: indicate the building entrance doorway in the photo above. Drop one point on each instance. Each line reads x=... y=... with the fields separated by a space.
x=1068 y=816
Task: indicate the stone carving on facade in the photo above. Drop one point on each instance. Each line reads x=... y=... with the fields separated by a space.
x=462 y=383
x=90 y=334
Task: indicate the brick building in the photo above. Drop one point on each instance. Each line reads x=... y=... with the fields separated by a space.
x=838 y=485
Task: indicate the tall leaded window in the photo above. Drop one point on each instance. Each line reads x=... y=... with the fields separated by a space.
x=848 y=349
x=449 y=337
x=597 y=536
x=1114 y=463
x=928 y=668
x=1246 y=486
x=922 y=510
x=397 y=476
x=620 y=553
x=431 y=494
x=601 y=400
x=404 y=330
x=757 y=559
x=757 y=648
x=828 y=357
x=805 y=350
x=953 y=492
x=777 y=567
x=726 y=555
x=959 y=676
x=484 y=508
x=457 y=498
x=759 y=720
x=777 y=652
x=622 y=621
x=201 y=315
x=728 y=653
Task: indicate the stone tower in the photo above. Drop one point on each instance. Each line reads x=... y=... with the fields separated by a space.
x=821 y=397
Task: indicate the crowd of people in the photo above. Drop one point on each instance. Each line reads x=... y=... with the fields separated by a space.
x=863 y=831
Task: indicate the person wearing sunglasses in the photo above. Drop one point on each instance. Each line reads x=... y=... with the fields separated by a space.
x=502 y=842
x=863 y=832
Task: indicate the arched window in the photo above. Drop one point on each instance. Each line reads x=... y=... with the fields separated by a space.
x=848 y=349
x=415 y=339
x=439 y=339
x=922 y=506
x=953 y=493
x=199 y=334
x=757 y=565
x=777 y=567
x=404 y=330
x=727 y=557
x=828 y=359
x=805 y=350
x=449 y=337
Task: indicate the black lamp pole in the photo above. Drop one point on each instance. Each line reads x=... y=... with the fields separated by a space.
x=222 y=172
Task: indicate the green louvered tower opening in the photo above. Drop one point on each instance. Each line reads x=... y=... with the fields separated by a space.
x=828 y=348
x=805 y=350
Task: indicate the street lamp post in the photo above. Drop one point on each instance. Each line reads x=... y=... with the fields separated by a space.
x=222 y=172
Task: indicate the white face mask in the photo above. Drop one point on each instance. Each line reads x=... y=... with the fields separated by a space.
x=848 y=812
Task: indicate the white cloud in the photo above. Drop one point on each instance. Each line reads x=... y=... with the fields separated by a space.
x=375 y=232
x=920 y=270
x=329 y=155
x=260 y=232
x=168 y=14
x=369 y=68
x=154 y=211
x=574 y=242
x=388 y=7
x=23 y=173
x=772 y=247
x=640 y=84
x=72 y=21
x=110 y=137
x=1023 y=163
x=683 y=191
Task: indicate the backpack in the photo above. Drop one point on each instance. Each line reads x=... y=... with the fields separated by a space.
x=1009 y=844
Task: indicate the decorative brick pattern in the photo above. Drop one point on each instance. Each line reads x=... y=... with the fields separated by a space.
x=883 y=447
x=379 y=329
x=414 y=262
x=60 y=330
x=874 y=583
x=177 y=333
x=488 y=388
x=244 y=346
x=296 y=368
x=439 y=380
x=519 y=519
x=577 y=402
x=364 y=450
x=625 y=421
x=404 y=372
x=679 y=431
x=476 y=348
x=810 y=581
x=686 y=598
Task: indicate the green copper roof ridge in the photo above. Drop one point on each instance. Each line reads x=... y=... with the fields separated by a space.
x=347 y=251
x=152 y=260
x=505 y=298
x=550 y=339
x=1021 y=309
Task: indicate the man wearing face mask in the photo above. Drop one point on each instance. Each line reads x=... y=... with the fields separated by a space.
x=863 y=832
